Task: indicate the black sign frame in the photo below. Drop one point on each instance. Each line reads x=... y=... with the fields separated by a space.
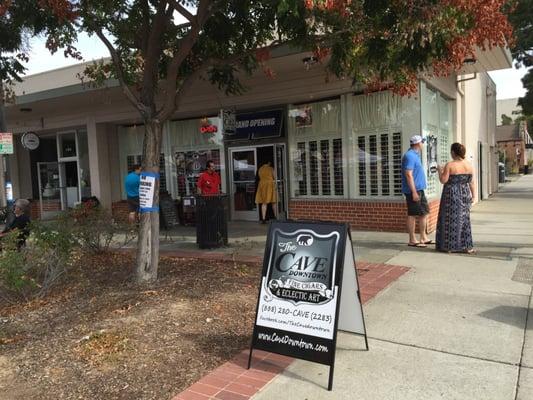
x=297 y=344
x=274 y=120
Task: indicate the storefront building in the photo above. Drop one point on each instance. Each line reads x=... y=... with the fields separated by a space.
x=336 y=151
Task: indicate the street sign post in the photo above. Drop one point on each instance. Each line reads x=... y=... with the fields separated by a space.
x=6 y=143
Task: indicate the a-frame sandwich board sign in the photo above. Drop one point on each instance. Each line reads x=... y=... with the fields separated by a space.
x=309 y=290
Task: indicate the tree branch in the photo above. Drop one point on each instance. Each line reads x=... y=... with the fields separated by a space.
x=171 y=82
x=145 y=26
x=120 y=72
x=153 y=53
x=188 y=82
x=183 y=11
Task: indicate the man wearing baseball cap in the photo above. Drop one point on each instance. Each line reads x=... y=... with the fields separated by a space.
x=413 y=185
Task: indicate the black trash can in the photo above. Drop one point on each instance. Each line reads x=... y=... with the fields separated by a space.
x=211 y=221
x=501 y=173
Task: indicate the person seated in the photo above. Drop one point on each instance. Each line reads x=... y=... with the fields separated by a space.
x=20 y=223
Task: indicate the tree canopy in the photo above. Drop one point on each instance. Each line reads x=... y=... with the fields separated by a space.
x=521 y=17
x=377 y=43
x=20 y=20
x=159 y=48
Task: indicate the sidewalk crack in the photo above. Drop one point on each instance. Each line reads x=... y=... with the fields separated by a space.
x=415 y=346
x=520 y=366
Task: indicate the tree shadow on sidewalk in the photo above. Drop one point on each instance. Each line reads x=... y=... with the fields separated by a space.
x=509 y=315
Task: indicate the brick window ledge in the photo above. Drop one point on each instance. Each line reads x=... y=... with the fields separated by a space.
x=372 y=215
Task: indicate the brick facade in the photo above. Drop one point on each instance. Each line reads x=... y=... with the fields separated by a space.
x=120 y=210
x=515 y=155
x=48 y=205
x=361 y=215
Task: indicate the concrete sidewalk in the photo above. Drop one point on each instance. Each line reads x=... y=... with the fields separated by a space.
x=453 y=327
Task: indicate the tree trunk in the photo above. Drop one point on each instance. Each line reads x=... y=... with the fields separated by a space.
x=148 y=244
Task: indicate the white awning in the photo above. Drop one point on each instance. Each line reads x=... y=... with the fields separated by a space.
x=489 y=60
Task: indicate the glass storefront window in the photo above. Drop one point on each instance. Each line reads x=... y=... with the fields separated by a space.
x=67 y=145
x=189 y=166
x=316 y=151
x=131 y=146
x=437 y=128
x=377 y=130
x=185 y=147
x=192 y=143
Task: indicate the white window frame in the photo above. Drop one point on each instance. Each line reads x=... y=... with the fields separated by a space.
x=295 y=138
x=377 y=132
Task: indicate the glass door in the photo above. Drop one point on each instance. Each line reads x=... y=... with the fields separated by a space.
x=242 y=187
x=52 y=195
x=279 y=167
x=69 y=180
x=73 y=156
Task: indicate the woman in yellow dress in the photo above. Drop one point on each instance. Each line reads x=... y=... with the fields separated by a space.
x=266 y=190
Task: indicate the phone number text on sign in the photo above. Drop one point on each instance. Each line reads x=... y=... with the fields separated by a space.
x=299 y=314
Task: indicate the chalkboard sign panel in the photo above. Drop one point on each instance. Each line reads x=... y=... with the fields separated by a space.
x=308 y=291
x=169 y=214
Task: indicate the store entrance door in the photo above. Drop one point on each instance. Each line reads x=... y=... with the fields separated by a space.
x=244 y=165
x=58 y=187
x=242 y=188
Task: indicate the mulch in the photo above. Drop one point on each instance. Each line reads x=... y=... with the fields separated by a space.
x=101 y=336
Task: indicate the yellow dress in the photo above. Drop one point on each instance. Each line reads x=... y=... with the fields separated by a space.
x=266 y=190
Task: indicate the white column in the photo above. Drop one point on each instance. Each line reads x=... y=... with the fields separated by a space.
x=99 y=162
x=21 y=172
x=348 y=143
x=114 y=163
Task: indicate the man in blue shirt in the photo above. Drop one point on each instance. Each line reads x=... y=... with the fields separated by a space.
x=131 y=184
x=413 y=185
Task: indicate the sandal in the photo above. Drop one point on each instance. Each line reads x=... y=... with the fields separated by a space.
x=470 y=251
x=428 y=242
x=421 y=245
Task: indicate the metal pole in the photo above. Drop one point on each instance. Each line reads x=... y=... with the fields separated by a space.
x=3 y=198
x=3 y=128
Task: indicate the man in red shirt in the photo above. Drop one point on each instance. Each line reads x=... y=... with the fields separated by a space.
x=209 y=180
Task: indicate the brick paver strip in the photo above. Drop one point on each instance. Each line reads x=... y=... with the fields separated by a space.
x=232 y=381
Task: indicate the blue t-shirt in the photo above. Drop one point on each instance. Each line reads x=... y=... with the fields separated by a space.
x=411 y=161
x=132 y=183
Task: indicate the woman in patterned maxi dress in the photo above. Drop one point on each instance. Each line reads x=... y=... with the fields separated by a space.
x=454 y=232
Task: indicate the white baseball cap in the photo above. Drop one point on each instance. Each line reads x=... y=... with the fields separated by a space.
x=417 y=139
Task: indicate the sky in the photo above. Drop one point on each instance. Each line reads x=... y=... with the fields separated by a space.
x=508 y=83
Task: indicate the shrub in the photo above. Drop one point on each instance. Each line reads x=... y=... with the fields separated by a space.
x=53 y=248
x=15 y=279
x=95 y=228
x=35 y=268
x=50 y=250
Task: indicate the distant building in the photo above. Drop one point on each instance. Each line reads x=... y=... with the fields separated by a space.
x=507 y=107
x=515 y=142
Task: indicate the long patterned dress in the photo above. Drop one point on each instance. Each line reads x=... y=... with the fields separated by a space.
x=454 y=233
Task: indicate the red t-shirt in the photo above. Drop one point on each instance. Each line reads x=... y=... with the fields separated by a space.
x=209 y=183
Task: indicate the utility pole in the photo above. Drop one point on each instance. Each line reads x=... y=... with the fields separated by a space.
x=3 y=128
